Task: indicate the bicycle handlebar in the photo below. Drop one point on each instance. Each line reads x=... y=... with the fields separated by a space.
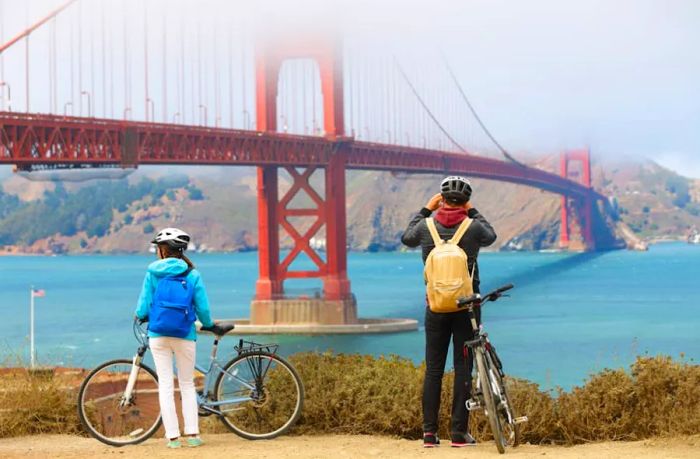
x=476 y=299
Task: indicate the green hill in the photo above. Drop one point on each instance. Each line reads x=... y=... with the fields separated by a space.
x=218 y=206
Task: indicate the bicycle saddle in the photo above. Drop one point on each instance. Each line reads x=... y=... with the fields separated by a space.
x=219 y=329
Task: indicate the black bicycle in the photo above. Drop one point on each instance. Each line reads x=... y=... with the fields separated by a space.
x=491 y=394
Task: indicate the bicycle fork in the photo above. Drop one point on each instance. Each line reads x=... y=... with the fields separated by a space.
x=131 y=382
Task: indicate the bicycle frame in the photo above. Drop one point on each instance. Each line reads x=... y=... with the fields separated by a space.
x=214 y=368
x=208 y=373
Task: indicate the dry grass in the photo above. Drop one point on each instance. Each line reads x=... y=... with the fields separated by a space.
x=357 y=394
x=33 y=403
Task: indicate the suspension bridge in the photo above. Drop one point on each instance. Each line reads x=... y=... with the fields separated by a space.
x=124 y=84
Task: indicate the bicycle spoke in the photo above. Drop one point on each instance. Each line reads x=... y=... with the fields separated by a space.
x=274 y=400
x=112 y=416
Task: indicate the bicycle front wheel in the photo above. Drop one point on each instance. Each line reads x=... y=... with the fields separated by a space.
x=260 y=395
x=489 y=402
x=104 y=410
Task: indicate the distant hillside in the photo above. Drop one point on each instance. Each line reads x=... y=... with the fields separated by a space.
x=218 y=206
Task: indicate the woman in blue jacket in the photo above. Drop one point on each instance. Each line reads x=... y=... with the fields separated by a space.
x=171 y=244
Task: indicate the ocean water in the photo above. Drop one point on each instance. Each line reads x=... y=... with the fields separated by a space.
x=569 y=316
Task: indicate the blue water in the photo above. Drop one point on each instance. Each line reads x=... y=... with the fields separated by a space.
x=569 y=316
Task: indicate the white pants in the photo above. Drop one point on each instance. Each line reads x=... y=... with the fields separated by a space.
x=163 y=349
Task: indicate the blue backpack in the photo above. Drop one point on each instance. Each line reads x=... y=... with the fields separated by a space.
x=172 y=311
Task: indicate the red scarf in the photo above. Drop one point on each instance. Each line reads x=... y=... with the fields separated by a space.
x=450 y=216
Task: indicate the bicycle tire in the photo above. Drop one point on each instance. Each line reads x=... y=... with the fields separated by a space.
x=490 y=406
x=502 y=414
x=83 y=415
x=267 y=397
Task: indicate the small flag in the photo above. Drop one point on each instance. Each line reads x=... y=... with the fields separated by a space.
x=38 y=293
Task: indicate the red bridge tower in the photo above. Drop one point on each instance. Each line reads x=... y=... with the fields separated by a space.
x=581 y=208
x=336 y=305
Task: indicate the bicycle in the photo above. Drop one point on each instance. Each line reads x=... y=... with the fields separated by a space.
x=257 y=394
x=491 y=394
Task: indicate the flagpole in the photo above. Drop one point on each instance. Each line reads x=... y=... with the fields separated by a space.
x=32 y=356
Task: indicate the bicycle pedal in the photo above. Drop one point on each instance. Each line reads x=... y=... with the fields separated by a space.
x=520 y=420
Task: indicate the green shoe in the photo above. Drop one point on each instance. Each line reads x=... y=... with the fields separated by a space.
x=173 y=444
x=193 y=442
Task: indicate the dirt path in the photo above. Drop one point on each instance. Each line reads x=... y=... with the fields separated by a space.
x=335 y=447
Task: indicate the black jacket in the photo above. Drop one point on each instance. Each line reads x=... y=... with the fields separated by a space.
x=480 y=234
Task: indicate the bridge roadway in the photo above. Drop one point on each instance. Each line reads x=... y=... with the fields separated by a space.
x=35 y=140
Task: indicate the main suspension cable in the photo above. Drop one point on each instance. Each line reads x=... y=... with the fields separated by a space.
x=508 y=156
x=425 y=107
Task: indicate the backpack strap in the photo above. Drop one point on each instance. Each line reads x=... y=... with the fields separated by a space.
x=434 y=232
x=463 y=227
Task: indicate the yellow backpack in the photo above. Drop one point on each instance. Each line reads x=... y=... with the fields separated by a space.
x=447 y=276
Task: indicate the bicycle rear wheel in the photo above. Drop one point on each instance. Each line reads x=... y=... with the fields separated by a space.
x=489 y=402
x=504 y=407
x=104 y=412
x=265 y=393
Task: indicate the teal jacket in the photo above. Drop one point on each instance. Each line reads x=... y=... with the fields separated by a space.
x=171 y=267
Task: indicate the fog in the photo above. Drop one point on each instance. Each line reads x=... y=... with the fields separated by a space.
x=621 y=77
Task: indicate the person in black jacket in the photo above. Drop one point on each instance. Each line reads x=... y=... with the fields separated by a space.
x=452 y=206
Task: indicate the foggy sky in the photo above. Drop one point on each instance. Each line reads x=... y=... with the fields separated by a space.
x=621 y=77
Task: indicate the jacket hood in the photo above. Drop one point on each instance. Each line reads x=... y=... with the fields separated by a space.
x=167 y=267
x=450 y=216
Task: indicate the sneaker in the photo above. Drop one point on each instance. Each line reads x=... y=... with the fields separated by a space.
x=172 y=444
x=462 y=440
x=430 y=440
x=193 y=442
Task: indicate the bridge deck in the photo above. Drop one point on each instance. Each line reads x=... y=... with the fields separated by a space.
x=35 y=140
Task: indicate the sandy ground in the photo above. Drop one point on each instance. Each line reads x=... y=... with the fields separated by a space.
x=335 y=447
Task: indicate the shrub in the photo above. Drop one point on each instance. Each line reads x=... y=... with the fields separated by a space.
x=356 y=394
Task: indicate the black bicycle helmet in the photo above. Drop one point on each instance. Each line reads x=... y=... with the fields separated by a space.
x=456 y=188
x=174 y=237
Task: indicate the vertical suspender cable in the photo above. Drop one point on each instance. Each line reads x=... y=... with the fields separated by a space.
x=80 y=56
x=111 y=70
x=2 y=57
x=145 y=57
x=127 y=102
x=91 y=103
x=230 y=76
x=182 y=68
x=305 y=102
x=215 y=67
x=51 y=67
x=26 y=56
x=104 y=61
x=165 y=66
x=199 y=70
x=244 y=99
x=54 y=39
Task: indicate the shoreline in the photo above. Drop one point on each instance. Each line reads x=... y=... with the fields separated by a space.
x=6 y=253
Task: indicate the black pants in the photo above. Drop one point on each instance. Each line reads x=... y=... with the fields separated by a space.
x=439 y=328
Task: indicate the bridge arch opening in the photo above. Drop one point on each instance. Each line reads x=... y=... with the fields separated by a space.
x=299 y=98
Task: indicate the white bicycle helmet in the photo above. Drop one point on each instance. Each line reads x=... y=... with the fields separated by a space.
x=174 y=237
x=456 y=187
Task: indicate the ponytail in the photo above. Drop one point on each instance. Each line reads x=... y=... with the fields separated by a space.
x=169 y=252
x=190 y=265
